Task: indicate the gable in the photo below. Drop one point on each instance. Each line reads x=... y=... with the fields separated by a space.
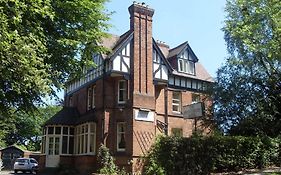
x=161 y=66
x=187 y=53
x=120 y=59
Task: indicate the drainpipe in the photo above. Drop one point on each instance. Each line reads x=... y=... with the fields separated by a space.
x=166 y=108
x=103 y=97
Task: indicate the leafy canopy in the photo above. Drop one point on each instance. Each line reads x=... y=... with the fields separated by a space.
x=42 y=42
x=24 y=129
x=249 y=83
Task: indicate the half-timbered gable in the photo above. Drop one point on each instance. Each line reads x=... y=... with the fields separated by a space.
x=119 y=61
x=161 y=66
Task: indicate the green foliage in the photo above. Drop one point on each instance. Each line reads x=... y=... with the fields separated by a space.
x=202 y=155
x=248 y=84
x=25 y=128
x=106 y=162
x=41 y=44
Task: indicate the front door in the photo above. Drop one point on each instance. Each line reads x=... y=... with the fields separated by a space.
x=52 y=157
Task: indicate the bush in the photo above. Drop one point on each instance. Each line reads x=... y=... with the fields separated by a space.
x=202 y=155
x=106 y=162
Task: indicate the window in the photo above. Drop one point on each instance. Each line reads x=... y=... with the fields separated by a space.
x=57 y=140
x=70 y=101
x=67 y=140
x=195 y=98
x=122 y=91
x=93 y=96
x=186 y=66
x=177 y=132
x=190 y=67
x=121 y=142
x=181 y=65
x=89 y=97
x=85 y=141
x=176 y=102
x=156 y=57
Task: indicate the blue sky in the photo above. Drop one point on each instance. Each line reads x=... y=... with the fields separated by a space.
x=197 y=21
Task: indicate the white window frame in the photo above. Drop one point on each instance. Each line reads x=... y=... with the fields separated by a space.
x=46 y=141
x=84 y=136
x=176 y=102
x=125 y=91
x=188 y=66
x=119 y=134
x=181 y=63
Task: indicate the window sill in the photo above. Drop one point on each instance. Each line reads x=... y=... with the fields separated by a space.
x=178 y=114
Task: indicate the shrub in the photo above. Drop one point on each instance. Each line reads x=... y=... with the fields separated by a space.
x=202 y=155
x=106 y=162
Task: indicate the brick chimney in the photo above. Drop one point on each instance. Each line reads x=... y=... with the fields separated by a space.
x=142 y=63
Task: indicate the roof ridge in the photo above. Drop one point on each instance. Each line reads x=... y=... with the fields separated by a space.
x=186 y=42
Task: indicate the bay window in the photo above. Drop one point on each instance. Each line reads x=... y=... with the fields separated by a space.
x=85 y=139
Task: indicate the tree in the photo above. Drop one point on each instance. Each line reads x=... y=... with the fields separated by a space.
x=42 y=43
x=249 y=83
x=25 y=129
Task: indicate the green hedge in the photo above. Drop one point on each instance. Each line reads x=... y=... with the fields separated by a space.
x=202 y=155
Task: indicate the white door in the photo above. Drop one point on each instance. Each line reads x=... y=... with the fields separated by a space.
x=52 y=156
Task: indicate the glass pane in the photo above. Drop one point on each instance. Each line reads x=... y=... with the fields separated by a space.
x=64 y=145
x=71 y=131
x=175 y=108
x=86 y=143
x=57 y=145
x=65 y=130
x=176 y=95
x=51 y=142
x=93 y=128
x=92 y=143
x=121 y=141
x=81 y=144
x=121 y=84
x=58 y=130
x=121 y=95
x=50 y=130
x=71 y=145
x=86 y=128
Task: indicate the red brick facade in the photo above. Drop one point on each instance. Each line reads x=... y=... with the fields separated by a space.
x=144 y=93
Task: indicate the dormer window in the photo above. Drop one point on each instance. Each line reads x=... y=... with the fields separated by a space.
x=186 y=63
x=186 y=66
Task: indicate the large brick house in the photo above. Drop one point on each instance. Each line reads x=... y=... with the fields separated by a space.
x=134 y=93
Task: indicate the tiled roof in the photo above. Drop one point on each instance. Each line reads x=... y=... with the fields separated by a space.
x=12 y=147
x=176 y=50
x=164 y=48
x=66 y=116
x=113 y=42
x=88 y=117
